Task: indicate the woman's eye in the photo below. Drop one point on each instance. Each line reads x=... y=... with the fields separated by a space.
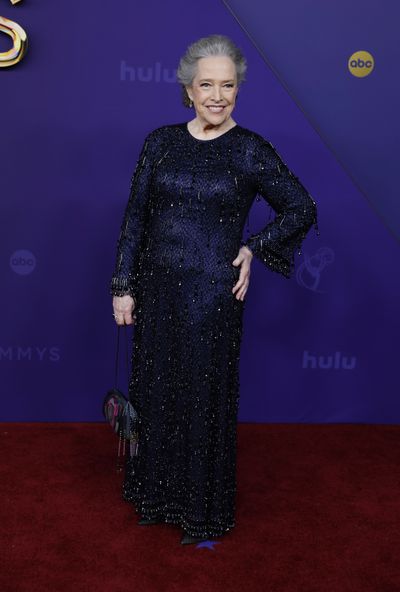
x=229 y=84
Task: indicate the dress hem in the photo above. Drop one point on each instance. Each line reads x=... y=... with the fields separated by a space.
x=176 y=518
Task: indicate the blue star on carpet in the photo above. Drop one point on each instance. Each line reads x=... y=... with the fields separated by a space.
x=207 y=545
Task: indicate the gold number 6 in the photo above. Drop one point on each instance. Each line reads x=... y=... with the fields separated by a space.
x=20 y=41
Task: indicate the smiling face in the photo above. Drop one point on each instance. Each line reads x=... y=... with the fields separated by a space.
x=213 y=91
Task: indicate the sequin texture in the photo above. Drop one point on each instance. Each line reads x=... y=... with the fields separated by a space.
x=181 y=230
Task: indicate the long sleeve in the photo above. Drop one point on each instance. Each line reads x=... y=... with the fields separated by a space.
x=133 y=227
x=295 y=210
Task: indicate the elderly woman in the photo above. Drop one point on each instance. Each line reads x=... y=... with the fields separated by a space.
x=181 y=276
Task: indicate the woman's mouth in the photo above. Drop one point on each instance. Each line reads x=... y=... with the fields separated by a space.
x=215 y=109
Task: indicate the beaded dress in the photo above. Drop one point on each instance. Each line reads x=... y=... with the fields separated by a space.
x=182 y=228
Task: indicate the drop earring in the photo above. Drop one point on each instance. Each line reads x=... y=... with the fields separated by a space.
x=190 y=103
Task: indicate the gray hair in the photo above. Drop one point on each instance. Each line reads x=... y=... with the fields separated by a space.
x=213 y=45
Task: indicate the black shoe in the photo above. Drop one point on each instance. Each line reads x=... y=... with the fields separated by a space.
x=145 y=521
x=187 y=539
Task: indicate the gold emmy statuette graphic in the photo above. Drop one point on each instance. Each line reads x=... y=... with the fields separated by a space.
x=20 y=41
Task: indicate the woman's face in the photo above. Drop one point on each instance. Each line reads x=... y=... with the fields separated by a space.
x=215 y=84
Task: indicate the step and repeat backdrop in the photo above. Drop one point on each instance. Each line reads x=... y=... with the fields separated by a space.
x=81 y=86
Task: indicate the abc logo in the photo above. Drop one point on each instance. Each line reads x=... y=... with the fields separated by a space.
x=361 y=63
x=23 y=262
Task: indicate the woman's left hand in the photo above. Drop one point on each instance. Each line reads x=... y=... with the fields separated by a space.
x=244 y=260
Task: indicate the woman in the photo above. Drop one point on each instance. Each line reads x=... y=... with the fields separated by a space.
x=181 y=276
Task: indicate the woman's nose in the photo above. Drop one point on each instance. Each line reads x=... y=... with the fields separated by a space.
x=216 y=94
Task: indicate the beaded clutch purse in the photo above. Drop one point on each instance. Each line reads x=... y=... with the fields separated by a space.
x=119 y=411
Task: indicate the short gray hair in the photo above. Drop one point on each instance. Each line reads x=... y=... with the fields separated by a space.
x=213 y=45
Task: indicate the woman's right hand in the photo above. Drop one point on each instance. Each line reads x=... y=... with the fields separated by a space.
x=123 y=309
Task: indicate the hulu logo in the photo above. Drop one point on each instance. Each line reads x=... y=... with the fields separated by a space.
x=338 y=361
x=156 y=73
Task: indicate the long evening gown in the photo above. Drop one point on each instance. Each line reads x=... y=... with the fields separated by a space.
x=182 y=228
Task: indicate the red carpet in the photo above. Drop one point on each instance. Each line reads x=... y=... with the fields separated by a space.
x=318 y=509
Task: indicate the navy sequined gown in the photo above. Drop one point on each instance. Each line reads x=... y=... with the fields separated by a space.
x=181 y=230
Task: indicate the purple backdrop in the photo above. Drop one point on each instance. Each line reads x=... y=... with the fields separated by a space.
x=321 y=347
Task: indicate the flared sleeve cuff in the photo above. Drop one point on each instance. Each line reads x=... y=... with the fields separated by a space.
x=122 y=287
x=273 y=261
